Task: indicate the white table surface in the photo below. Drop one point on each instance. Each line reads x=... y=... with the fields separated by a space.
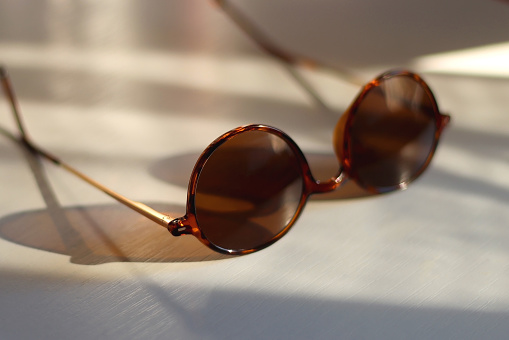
x=131 y=92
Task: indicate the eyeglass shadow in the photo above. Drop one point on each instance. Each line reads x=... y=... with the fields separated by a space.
x=96 y=234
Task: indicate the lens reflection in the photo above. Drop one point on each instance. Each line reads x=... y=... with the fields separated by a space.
x=248 y=190
x=392 y=133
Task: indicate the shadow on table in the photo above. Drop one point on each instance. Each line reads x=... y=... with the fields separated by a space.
x=240 y=313
x=113 y=233
x=97 y=234
x=103 y=233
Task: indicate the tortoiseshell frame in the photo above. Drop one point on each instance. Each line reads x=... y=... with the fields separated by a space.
x=188 y=224
x=342 y=131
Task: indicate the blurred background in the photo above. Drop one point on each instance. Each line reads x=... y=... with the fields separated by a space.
x=91 y=52
x=131 y=92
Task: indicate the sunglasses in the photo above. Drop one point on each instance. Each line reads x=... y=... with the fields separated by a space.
x=250 y=185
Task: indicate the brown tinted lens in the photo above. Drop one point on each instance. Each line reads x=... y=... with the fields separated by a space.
x=392 y=133
x=248 y=191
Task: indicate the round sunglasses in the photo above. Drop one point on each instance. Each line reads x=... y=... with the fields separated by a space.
x=250 y=185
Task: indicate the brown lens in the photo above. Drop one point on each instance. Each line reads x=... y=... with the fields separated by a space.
x=248 y=191
x=392 y=133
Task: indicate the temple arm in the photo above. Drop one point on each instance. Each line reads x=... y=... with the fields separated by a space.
x=141 y=208
x=268 y=46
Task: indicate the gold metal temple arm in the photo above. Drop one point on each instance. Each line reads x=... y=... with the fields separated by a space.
x=141 y=208
x=271 y=48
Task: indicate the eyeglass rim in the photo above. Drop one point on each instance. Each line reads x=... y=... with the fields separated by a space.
x=440 y=120
x=190 y=221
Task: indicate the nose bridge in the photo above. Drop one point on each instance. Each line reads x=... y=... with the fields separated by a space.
x=318 y=187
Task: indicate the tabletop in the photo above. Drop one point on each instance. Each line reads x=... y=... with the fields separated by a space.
x=131 y=93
